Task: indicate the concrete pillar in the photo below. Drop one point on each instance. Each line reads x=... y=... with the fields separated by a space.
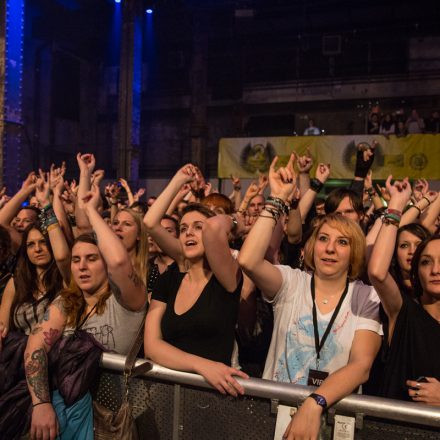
x=199 y=89
x=129 y=104
x=11 y=79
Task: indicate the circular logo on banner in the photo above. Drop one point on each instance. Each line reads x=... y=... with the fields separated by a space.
x=257 y=157
x=418 y=161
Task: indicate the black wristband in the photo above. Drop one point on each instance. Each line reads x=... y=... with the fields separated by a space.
x=320 y=400
x=316 y=185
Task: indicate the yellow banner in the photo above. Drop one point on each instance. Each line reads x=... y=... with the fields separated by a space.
x=415 y=156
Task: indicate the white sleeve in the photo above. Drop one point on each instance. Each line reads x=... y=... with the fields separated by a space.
x=368 y=311
x=290 y=280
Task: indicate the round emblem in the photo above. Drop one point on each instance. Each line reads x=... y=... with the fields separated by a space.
x=418 y=161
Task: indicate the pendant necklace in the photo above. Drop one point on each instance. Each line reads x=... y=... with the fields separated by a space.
x=326 y=300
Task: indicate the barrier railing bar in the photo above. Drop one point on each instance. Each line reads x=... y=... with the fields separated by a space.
x=396 y=410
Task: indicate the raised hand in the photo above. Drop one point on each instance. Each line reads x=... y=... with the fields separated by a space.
x=400 y=193
x=282 y=181
x=305 y=163
x=138 y=194
x=236 y=183
x=420 y=188
x=322 y=172
x=86 y=162
x=186 y=174
x=30 y=182
x=97 y=177
x=263 y=180
x=42 y=189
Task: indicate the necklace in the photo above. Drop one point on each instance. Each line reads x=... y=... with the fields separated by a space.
x=326 y=300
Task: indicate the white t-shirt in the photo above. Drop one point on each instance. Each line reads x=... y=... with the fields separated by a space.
x=292 y=349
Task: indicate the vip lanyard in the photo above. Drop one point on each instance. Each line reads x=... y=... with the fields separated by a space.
x=319 y=345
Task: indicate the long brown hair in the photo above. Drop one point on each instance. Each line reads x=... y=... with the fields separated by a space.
x=26 y=277
x=72 y=297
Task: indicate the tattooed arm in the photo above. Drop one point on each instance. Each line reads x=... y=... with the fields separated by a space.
x=43 y=336
x=119 y=265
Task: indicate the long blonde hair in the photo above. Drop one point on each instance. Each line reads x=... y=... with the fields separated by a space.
x=141 y=252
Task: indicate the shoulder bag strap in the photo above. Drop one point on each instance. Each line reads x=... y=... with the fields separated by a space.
x=129 y=369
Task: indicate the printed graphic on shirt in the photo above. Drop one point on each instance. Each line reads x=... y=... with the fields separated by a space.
x=103 y=334
x=299 y=357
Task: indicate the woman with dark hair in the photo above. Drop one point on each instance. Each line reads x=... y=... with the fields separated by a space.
x=412 y=362
x=42 y=267
x=407 y=239
x=192 y=316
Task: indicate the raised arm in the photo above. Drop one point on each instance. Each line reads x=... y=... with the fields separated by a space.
x=5 y=309
x=215 y=240
x=128 y=190
x=57 y=187
x=236 y=192
x=10 y=209
x=115 y=255
x=431 y=213
x=44 y=422
x=382 y=254
x=321 y=175
x=304 y=165
x=251 y=257
x=169 y=244
x=251 y=192
x=86 y=163
x=60 y=248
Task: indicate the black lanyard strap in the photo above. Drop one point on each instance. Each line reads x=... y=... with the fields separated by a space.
x=319 y=345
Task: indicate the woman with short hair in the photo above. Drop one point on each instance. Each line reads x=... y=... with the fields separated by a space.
x=326 y=324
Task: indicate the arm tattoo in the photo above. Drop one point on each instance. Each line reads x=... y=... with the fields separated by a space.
x=135 y=279
x=36 y=374
x=51 y=336
x=36 y=329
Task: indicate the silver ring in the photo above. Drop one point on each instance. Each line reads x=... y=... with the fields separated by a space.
x=416 y=394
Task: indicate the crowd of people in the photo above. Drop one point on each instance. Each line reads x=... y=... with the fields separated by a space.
x=400 y=124
x=341 y=293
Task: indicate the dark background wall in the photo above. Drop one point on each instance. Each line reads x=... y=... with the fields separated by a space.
x=270 y=65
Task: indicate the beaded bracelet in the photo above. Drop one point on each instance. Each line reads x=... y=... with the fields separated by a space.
x=273 y=206
x=389 y=221
x=278 y=203
x=276 y=214
x=393 y=216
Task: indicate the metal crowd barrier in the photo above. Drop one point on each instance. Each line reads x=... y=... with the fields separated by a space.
x=176 y=405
